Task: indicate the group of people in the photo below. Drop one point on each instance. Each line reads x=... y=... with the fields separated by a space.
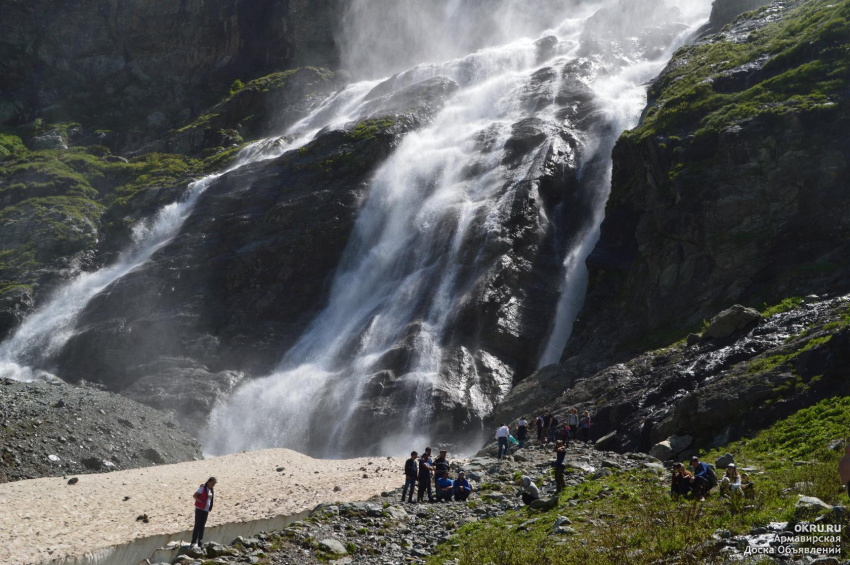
x=549 y=429
x=418 y=472
x=698 y=483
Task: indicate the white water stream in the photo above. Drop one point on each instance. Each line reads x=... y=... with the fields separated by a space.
x=399 y=279
x=402 y=275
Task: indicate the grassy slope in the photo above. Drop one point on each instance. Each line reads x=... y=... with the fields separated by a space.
x=629 y=517
x=807 y=70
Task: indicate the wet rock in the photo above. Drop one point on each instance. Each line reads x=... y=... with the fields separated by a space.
x=730 y=321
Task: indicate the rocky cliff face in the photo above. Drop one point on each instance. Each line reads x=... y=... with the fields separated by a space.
x=148 y=64
x=733 y=189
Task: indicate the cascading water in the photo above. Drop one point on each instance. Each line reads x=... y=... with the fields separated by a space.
x=436 y=209
x=27 y=354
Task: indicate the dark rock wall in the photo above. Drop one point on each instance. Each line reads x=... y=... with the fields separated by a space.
x=117 y=62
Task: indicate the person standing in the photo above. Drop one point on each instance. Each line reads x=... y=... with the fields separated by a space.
x=410 y=476
x=462 y=487
x=584 y=424
x=547 y=421
x=522 y=432
x=539 y=421
x=441 y=464
x=573 y=421
x=203 y=506
x=425 y=476
x=553 y=428
x=502 y=437
x=560 y=467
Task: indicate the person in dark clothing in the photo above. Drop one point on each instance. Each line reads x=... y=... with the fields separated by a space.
x=680 y=484
x=700 y=482
x=203 y=506
x=547 y=422
x=410 y=476
x=584 y=425
x=539 y=421
x=441 y=464
x=522 y=432
x=425 y=476
x=462 y=487
x=560 y=467
x=553 y=428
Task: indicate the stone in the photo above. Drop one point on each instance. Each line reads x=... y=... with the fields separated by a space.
x=332 y=546
x=544 y=505
x=694 y=339
x=562 y=521
x=52 y=140
x=73 y=480
x=601 y=473
x=723 y=461
x=662 y=450
x=607 y=441
x=53 y=458
x=808 y=506
x=730 y=321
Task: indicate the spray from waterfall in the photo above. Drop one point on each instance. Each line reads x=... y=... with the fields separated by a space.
x=407 y=267
x=27 y=354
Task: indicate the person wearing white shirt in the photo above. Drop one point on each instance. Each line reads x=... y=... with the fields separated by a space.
x=502 y=435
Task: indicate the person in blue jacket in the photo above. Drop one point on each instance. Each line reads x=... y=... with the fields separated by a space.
x=701 y=481
x=444 y=488
x=462 y=487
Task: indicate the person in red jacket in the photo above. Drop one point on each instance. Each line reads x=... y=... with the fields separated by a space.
x=203 y=506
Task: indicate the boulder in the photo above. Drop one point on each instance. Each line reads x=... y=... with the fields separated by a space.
x=544 y=505
x=809 y=506
x=730 y=321
x=662 y=450
x=724 y=460
x=607 y=441
x=332 y=546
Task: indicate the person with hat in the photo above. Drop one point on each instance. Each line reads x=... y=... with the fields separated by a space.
x=462 y=487
x=701 y=482
x=730 y=485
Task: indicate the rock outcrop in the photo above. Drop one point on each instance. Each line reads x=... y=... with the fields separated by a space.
x=148 y=64
x=714 y=391
x=731 y=191
x=53 y=429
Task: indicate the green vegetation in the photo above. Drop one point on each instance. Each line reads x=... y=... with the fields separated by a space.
x=785 y=306
x=807 y=67
x=629 y=517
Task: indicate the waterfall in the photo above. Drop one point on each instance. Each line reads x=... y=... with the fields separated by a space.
x=408 y=264
x=27 y=354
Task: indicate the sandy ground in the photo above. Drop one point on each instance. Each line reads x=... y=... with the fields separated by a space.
x=43 y=519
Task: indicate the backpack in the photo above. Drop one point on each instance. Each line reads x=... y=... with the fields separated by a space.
x=711 y=476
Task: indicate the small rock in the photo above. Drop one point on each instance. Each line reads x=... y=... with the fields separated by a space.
x=337 y=489
x=143 y=518
x=279 y=469
x=53 y=458
x=808 y=505
x=694 y=339
x=729 y=321
x=73 y=480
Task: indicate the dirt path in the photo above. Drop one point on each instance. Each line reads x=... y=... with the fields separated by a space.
x=45 y=519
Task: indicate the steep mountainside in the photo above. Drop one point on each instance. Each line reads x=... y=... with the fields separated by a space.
x=732 y=190
x=147 y=65
x=734 y=187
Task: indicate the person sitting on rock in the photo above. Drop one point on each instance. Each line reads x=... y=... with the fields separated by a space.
x=528 y=490
x=747 y=486
x=462 y=488
x=681 y=481
x=560 y=467
x=425 y=476
x=502 y=435
x=444 y=487
x=730 y=484
x=701 y=481
x=522 y=431
x=410 y=475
